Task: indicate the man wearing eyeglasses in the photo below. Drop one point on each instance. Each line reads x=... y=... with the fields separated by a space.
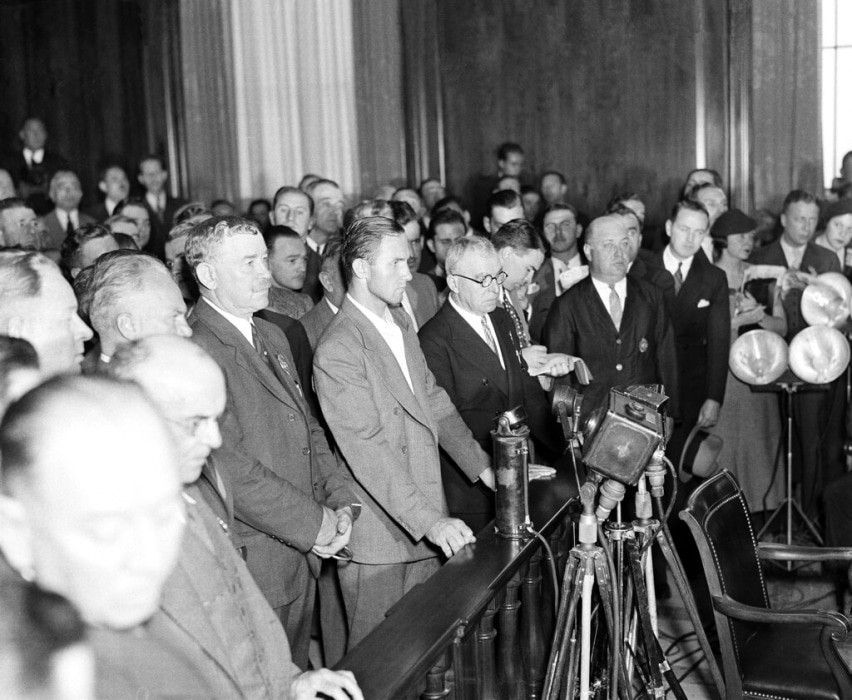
x=616 y=323
x=562 y=232
x=470 y=346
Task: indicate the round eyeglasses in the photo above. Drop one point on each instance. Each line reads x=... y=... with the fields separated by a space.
x=486 y=281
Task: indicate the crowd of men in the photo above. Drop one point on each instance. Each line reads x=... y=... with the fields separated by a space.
x=283 y=423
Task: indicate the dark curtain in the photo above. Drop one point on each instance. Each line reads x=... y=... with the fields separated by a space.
x=78 y=64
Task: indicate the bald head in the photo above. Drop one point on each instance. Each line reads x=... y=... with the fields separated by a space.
x=90 y=494
x=608 y=249
x=187 y=387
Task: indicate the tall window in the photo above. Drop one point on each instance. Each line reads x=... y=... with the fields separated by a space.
x=836 y=84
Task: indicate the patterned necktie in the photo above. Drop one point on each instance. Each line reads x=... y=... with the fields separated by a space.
x=513 y=314
x=260 y=346
x=615 y=306
x=489 y=337
x=678 y=277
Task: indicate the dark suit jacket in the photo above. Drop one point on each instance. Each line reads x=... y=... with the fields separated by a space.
x=56 y=232
x=471 y=374
x=545 y=278
x=312 y=286
x=316 y=321
x=816 y=258
x=99 y=212
x=33 y=182
x=701 y=316
x=276 y=454
x=647 y=267
x=423 y=296
x=641 y=352
x=160 y=227
x=389 y=435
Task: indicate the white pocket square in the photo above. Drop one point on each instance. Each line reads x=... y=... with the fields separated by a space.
x=703 y=304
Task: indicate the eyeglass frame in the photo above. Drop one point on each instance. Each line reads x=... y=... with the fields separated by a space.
x=486 y=281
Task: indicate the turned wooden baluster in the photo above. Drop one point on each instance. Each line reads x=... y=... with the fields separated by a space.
x=486 y=674
x=436 y=681
x=509 y=672
x=531 y=633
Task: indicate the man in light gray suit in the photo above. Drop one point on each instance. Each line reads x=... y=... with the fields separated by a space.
x=292 y=501
x=388 y=417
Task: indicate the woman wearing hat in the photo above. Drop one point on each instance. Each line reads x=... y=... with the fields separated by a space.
x=838 y=233
x=749 y=423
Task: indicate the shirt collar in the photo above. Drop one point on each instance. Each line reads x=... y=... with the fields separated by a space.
x=793 y=254
x=671 y=263
x=375 y=319
x=331 y=306
x=603 y=288
x=472 y=318
x=242 y=325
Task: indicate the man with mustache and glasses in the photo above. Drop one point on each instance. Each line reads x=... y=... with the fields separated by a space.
x=292 y=503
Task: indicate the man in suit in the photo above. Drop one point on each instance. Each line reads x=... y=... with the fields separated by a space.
x=553 y=187
x=445 y=228
x=642 y=263
x=19 y=225
x=115 y=186
x=90 y=508
x=210 y=600
x=388 y=417
x=38 y=305
x=83 y=247
x=333 y=284
x=329 y=203
x=819 y=446
x=161 y=204
x=32 y=167
x=136 y=209
x=293 y=208
x=701 y=317
x=470 y=348
x=66 y=193
x=510 y=162
x=295 y=503
x=616 y=323
x=288 y=264
x=562 y=232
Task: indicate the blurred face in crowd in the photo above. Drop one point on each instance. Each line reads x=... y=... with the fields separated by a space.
x=115 y=184
x=288 y=263
x=553 y=189
x=634 y=234
x=512 y=164
x=432 y=192
x=140 y=215
x=469 y=293
x=532 y=205
x=445 y=236
x=838 y=231
x=176 y=261
x=714 y=201
x=637 y=207
x=686 y=232
x=561 y=230
x=388 y=273
x=102 y=510
x=411 y=198
x=158 y=308
x=152 y=176
x=65 y=191
x=34 y=134
x=740 y=245
x=846 y=168
x=697 y=177
x=607 y=248
x=7 y=187
x=799 y=221
x=328 y=209
x=502 y=215
x=415 y=244
x=237 y=275
x=519 y=265
x=508 y=182
x=92 y=250
x=293 y=209
x=260 y=213
x=128 y=228
x=20 y=227
x=49 y=321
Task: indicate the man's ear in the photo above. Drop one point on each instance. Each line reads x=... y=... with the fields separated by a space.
x=360 y=268
x=16 y=536
x=327 y=281
x=669 y=228
x=206 y=275
x=783 y=221
x=453 y=283
x=587 y=249
x=126 y=325
x=505 y=252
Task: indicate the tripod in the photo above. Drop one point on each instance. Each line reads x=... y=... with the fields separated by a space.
x=789 y=503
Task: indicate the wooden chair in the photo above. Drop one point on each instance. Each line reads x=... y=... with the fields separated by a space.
x=766 y=653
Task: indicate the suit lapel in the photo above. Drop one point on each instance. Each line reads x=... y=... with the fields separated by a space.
x=380 y=356
x=472 y=347
x=595 y=306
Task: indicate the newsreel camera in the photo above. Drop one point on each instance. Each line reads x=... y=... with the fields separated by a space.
x=619 y=439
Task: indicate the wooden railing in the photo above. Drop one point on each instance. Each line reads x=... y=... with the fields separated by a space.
x=481 y=626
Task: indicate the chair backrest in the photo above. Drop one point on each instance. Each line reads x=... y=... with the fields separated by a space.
x=718 y=518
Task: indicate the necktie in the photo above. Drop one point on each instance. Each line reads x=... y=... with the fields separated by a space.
x=260 y=346
x=615 y=306
x=276 y=364
x=489 y=337
x=69 y=229
x=513 y=314
x=678 y=277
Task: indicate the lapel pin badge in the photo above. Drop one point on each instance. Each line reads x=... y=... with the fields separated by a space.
x=643 y=345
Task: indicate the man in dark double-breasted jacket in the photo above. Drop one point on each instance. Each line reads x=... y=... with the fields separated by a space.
x=617 y=324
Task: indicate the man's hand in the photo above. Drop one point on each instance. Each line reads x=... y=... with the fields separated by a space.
x=450 y=534
x=341 y=536
x=487 y=477
x=328 y=527
x=709 y=414
x=340 y=685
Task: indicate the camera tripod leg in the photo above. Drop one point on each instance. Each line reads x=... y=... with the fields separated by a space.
x=664 y=539
x=564 y=637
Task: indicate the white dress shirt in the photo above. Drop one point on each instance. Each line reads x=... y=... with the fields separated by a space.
x=475 y=322
x=63 y=217
x=671 y=263
x=603 y=290
x=33 y=157
x=391 y=333
x=243 y=325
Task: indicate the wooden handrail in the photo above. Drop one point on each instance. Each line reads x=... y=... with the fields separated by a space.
x=425 y=624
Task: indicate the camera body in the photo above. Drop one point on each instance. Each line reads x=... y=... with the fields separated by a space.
x=621 y=439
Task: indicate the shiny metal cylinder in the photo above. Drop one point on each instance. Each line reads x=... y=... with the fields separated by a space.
x=511 y=467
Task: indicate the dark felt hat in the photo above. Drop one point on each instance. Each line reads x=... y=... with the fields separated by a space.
x=731 y=223
x=838 y=208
